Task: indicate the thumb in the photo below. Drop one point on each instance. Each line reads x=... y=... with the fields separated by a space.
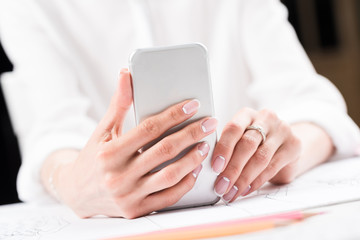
x=119 y=105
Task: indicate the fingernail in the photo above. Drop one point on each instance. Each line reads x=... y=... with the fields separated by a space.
x=221 y=186
x=209 y=125
x=123 y=70
x=203 y=148
x=218 y=164
x=191 y=106
x=227 y=197
x=196 y=171
x=247 y=189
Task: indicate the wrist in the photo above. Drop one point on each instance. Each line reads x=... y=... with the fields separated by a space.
x=317 y=146
x=62 y=182
x=56 y=174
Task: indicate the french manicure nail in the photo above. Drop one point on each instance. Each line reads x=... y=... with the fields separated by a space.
x=246 y=190
x=203 y=148
x=196 y=171
x=191 y=106
x=209 y=125
x=227 y=197
x=221 y=186
x=123 y=70
x=218 y=164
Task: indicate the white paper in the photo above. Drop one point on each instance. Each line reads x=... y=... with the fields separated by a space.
x=327 y=184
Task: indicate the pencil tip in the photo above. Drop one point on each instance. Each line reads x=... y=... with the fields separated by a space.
x=283 y=223
x=308 y=215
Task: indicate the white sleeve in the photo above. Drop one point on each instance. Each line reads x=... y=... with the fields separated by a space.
x=47 y=109
x=286 y=81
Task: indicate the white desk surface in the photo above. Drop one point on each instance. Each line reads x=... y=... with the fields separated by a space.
x=333 y=187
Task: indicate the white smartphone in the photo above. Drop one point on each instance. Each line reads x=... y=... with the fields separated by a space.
x=164 y=76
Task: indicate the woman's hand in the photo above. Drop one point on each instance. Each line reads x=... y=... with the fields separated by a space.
x=111 y=177
x=245 y=162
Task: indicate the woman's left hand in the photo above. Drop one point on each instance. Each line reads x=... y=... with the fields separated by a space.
x=244 y=161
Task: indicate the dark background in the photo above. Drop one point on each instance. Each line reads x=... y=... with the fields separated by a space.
x=328 y=29
x=9 y=152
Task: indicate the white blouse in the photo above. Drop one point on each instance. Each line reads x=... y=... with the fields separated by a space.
x=67 y=55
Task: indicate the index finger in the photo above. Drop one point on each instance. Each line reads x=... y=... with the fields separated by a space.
x=154 y=126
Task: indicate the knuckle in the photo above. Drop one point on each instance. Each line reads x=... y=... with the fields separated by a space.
x=174 y=114
x=262 y=180
x=233 y=171
x=171 y=199
x=150 y=127
x=189 y=183
x=169 y=177
x=262 y=155
x=268 y=114
x=272 y=169
x=266 y=175
x=224 y=146
x=256 y=184
x=111 y=181
x=244 y=180
x=101 y=155
x=195 y=158
x=249 y=141
x=194 y=133
x=233 y=127
x=166 y=148
x=105 y=152
x=101 y=158
x=104 y=157
x=284 y=127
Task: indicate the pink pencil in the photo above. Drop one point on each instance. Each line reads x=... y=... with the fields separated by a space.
x=227 y=227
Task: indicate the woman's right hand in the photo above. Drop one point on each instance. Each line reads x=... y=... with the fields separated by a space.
x=111 y=177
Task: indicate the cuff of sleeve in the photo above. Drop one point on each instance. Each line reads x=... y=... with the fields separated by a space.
x=30 y=187
x=339 y=126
